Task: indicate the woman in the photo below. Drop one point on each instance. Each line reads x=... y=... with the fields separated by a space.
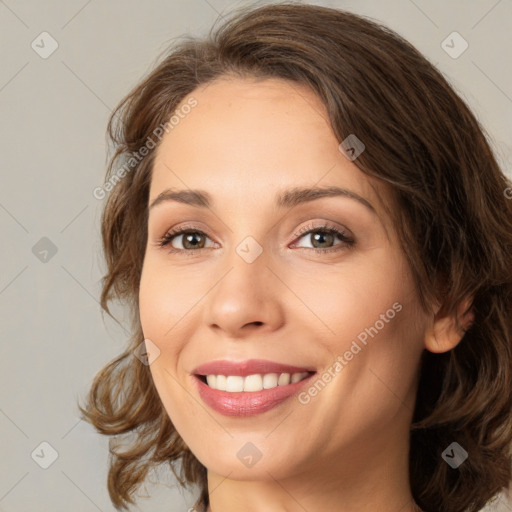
x=313 y=236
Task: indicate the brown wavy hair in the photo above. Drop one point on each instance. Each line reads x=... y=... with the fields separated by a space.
x=450 y=211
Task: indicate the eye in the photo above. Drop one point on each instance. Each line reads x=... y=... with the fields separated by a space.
x=190 y=238
x=322 y=236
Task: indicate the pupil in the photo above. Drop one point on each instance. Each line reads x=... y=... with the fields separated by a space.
x=188 y=240
x=318 y=237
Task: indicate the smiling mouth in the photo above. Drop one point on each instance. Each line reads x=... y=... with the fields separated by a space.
x=252 y=383
x=247 y=388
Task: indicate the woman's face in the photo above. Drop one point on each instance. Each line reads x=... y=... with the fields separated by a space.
x=262 y=274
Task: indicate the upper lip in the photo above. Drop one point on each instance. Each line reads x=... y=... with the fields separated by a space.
x=247 y=367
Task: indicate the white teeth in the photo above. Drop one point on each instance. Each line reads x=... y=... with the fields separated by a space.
x=234 y=383
x=270 y=380
x=298 y=376
x=220 y=382
x=284 y=379
x=255 y=382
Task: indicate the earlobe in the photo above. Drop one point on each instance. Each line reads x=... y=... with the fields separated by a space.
x=446 y=330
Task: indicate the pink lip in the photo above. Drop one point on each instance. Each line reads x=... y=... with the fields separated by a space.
x=247 y=403
x=247 y=367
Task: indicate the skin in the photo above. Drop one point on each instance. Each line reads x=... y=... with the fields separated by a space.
x=347 y=449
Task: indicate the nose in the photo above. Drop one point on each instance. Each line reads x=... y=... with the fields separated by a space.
x=247 y=298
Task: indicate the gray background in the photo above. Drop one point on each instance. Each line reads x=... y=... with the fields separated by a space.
x=53 y=115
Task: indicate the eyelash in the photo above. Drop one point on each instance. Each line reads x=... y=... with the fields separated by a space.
x=347 y=242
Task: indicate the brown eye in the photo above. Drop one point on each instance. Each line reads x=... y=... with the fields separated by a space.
x=190 y=239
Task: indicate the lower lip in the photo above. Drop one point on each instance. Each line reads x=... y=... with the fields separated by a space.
x=247 y=403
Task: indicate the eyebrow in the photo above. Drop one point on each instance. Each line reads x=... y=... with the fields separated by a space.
x=287 y=199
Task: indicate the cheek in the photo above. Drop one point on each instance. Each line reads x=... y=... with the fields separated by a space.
x=375 y=365
x=161 y=307
x=349 y=297
x=374 y=323
x=388 y=343
x=165 y=297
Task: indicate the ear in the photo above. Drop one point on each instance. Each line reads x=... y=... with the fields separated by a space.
x=447 y=330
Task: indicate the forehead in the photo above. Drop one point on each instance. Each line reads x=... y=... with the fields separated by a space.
x=246 y=138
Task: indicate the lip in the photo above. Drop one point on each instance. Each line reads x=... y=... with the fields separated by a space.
x=247 y=403
x=247 y=367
